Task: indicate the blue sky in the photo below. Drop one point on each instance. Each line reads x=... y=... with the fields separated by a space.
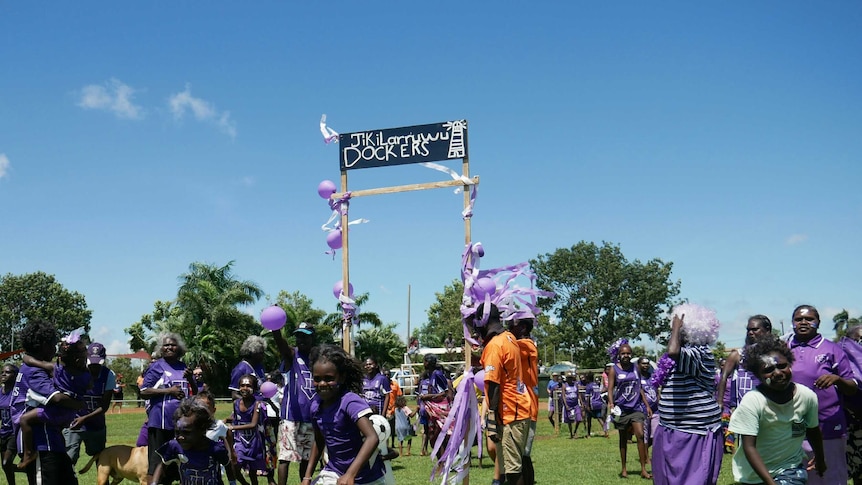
x=137 y=138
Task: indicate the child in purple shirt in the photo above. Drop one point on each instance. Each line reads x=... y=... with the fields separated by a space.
x=70 y=377
x=375 y=387
x=341 y=422
x=199 y=458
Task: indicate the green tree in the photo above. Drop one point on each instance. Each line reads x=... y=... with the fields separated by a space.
x=300 y=308
x=381 y=343
x=719 y=350
x=38 y=295
x=842 y=323
x=601 y=296
x=207 y=315
x=444 y=317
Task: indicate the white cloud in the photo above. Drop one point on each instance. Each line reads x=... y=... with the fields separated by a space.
x=4 y=165
x=796 y=239
x=202 y=110
x=113 y=96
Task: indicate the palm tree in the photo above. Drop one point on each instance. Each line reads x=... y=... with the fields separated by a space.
x=214 y=327
x=334 y=320
x=381 y=343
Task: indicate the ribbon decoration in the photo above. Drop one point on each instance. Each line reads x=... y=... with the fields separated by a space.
x=339 y=207
x=74 y=336
x=514 y=301
x=463 y=425
x=614 y=349
x=329 y=135
x=455 y=175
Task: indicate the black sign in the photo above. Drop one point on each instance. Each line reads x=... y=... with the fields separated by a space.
x=398 y=146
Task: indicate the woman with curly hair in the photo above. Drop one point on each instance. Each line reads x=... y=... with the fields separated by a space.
x=166 y=383
x=688 y=444
x=773 y=418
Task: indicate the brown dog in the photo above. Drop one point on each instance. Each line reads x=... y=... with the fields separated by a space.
x=118 y=462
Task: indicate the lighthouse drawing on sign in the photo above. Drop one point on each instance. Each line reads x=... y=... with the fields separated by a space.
x=456 y=140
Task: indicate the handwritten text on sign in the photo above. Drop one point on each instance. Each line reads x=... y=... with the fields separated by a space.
x=398 y=146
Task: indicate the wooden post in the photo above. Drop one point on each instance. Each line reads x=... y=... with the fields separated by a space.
x=346 y=324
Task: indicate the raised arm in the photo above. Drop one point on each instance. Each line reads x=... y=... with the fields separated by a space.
x=729 y=366
x=674 y=345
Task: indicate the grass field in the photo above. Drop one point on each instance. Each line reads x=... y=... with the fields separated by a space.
x=558 y=460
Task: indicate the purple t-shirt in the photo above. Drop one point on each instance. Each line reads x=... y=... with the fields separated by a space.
x=743 y=381
x=105 y=381
x=570 y=395
x=249 y=443
x=5 y=412
x=343 y=439
x=627 y=389
x=162 y=375
x=45 y=437
x=196 y=467
x=244 y=368
x=815 y=358
x=299 y=389
x=594 y=393
x=650 y=393
x=375 y=390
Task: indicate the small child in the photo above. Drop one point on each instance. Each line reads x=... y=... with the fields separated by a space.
x=198 y=458
x=70 y=377
x=403 y=426
x=218 y=431
x=340 y=416
x=247 y=426
x=572 y=404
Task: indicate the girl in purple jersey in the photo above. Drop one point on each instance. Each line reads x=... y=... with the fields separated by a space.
x=341 y=422
x=247 y=427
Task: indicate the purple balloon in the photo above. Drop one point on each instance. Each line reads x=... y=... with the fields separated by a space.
x=479 y=380
x=326 y=188
x=333 y=239
x=336 y=290
x=484 y=286
x=273 y=318
x=268 y=389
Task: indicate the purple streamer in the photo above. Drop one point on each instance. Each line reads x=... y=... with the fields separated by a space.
x=463 y=427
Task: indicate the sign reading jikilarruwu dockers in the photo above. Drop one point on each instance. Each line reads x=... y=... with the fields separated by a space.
x=398 y=146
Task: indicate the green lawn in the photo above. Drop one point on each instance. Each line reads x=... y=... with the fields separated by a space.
x=558 y=460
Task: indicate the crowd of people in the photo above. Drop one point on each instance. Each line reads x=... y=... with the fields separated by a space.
x=786 y=408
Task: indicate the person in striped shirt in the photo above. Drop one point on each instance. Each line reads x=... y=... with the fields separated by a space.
x=688 y=444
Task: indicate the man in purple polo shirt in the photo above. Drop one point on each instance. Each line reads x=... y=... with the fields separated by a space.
x=822 y=366
x=295 y=432
x=52 y=466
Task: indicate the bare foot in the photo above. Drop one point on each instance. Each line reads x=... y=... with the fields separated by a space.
x=646 y=475
x=26 y=460
x=624 y=474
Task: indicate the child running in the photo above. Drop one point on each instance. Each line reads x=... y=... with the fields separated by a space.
x=403 y=426
x=198 y=458
x=248 y=418
x=71 y=378
x=341 y=422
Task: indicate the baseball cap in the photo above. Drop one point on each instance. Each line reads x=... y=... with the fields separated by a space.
x=305 y=328
x=96 y=353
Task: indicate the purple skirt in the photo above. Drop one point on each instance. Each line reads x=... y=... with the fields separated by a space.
x=680 y=457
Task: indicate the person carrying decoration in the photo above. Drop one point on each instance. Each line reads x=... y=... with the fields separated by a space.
x=295 y=432
x=509 y=404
